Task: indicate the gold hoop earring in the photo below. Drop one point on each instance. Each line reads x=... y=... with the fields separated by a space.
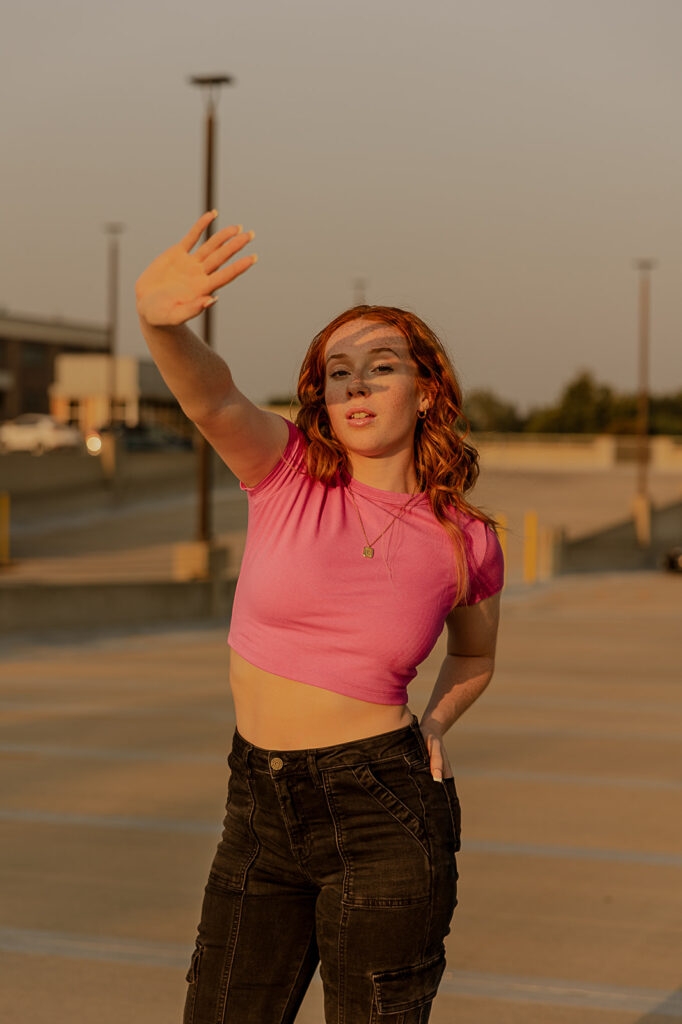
x=421 y=413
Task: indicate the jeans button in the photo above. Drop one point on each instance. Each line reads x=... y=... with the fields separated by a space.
x=276 y=763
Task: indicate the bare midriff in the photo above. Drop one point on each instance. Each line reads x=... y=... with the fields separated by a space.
x=283 y=714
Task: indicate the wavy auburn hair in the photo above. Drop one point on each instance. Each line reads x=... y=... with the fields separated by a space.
x=446 y=463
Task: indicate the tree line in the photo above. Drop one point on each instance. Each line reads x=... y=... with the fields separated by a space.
x=584 y=407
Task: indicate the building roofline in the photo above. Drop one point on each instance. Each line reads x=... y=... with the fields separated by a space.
x=56 y=330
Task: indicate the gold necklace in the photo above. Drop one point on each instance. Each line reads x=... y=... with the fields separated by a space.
x=368 y=550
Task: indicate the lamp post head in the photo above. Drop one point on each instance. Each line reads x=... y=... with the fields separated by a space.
x=211 y=79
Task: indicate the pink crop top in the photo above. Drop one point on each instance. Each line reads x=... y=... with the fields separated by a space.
x=308 y=605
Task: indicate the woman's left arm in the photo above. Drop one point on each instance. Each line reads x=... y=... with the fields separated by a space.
x=466 y=671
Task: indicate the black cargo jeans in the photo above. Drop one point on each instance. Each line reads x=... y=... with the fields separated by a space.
x=342 y=856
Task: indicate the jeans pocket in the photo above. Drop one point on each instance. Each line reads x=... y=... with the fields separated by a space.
x=238 y=845
x=391 y=784
x=455 y=810
x=409 y=988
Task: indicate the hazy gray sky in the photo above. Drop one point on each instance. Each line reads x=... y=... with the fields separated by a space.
x=494 y=165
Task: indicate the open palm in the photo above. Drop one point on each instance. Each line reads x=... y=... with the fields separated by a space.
x=179 y=283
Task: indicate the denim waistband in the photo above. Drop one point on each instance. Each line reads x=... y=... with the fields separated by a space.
x=408 y=739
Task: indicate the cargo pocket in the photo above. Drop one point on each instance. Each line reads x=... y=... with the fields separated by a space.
x=407 y=989
x=192 y=979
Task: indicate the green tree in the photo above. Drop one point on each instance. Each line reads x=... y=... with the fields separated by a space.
x=584 y=407
x=665 y=414
x=486 y=411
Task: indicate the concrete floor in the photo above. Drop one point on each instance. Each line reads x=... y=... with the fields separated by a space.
x=569 y=770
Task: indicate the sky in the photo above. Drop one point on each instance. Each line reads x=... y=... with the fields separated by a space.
x=496 y=166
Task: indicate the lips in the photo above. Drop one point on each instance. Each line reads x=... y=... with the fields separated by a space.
x=359 y=414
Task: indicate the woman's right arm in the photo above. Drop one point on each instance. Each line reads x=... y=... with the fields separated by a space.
x=176 y=287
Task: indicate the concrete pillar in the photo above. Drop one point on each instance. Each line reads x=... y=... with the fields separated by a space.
x=641 y=514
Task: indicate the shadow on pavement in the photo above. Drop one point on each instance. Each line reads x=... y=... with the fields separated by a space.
x=670 y=1009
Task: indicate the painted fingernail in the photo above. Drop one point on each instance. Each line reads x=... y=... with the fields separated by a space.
x=252 y=234
x=240 y=228
x=254 y=258
x=437 y=776
x=209 y=302
x=214 y=213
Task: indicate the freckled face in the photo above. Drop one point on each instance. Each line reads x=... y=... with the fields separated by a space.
x=371 y=388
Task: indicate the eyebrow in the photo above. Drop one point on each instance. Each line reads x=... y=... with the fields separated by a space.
x=372 y=351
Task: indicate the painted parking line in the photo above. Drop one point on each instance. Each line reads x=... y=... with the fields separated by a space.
x=94 y=947
x=553 y=702
x=560 y=992
x=128 y=754
x=616 y=732
x=166 y=757
x=108 y=753
x=136 y=824
x=643 y=857
x=101 y=709
x=472 y=984
x=567 y=779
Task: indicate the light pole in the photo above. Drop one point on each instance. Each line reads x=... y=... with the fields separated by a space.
x=360 y=291
x=113 y=229
x=641 y=502
x=210 y=84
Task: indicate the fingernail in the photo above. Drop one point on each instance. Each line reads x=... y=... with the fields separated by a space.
x=437 y=777
x=209 y=302
x=252 y=234
x=214 y=212
x=254 y=258
x=240 y=228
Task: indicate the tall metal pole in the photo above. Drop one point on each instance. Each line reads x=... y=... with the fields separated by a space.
x=644 y=267
x=211 y=85
x=641 y=501
x=360 y=291
x=113 y=230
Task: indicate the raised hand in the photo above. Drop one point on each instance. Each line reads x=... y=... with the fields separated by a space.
x=178 y=284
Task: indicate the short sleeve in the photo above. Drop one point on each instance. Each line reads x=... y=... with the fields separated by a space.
x=486 y=563
x=291 y=462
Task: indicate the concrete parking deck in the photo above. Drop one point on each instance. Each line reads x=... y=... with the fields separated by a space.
x=569 y=771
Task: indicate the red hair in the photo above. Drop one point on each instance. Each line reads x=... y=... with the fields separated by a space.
x=445 y=462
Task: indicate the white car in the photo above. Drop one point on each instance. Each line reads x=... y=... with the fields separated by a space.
x=37 y=433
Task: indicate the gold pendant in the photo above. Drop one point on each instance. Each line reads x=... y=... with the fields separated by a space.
x=368 y=552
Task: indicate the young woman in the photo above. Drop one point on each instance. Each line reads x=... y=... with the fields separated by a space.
x=342 y=816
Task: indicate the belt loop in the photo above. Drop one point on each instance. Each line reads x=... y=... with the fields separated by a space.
x=247 y=752
x=313 y=769
x=419 y=736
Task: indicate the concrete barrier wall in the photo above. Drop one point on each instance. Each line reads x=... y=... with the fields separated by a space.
x=23 y=475
x=28 y=476
x=545 y=451
x=616 y=548
x=666 y=454
x=574 y=451
x=33 y=607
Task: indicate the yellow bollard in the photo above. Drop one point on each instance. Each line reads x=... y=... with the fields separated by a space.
x=530 y=547
x=546 y=553
x=4 y=528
